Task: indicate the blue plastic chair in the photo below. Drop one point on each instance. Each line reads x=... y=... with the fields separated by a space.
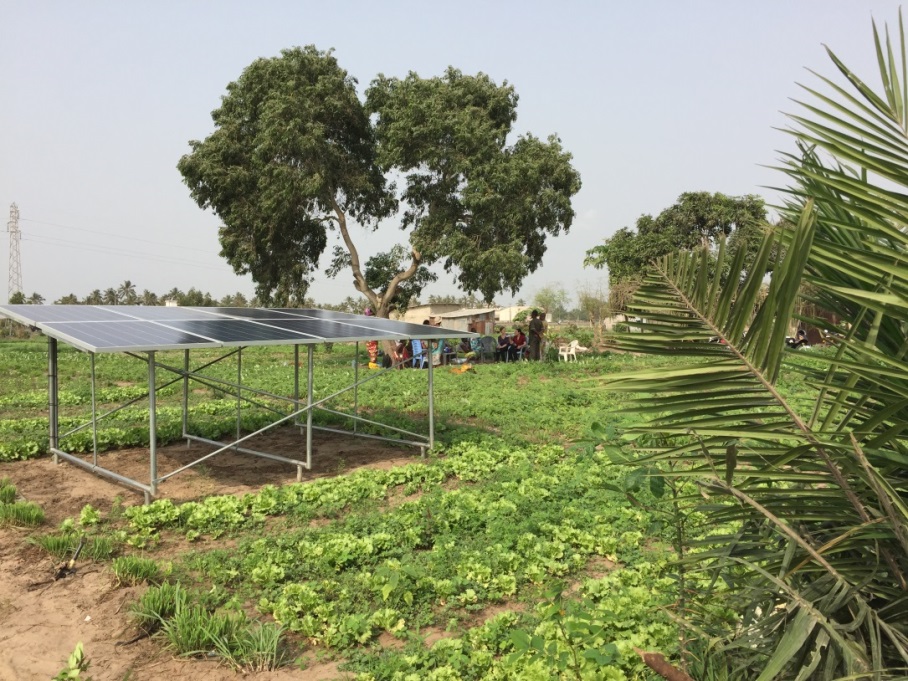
x=420 y=359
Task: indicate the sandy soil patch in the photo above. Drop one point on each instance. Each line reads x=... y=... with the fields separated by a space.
x=39 y=627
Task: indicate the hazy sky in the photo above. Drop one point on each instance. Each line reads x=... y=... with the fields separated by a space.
x=653 y=98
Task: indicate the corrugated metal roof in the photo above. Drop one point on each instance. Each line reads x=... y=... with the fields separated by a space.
x=468 y=312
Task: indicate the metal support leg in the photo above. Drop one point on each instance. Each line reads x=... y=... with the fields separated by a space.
x=309 y=370
x=52 y=396
x=94 y=414
x=431 y=406
x=152 y=427
x=356 y=385
x=185 y=420
x=296 y=381
x=239 y=397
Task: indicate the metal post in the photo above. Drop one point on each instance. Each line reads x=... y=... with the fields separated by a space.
x=94 y=413
x=309 y=370
x=52 y=402
x=431 y=404
x=296 y=381
x=356 y=385
x=152 y=426
x=185 y=420
x=239 y=382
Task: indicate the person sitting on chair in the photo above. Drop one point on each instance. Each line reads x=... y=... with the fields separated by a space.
x=503 y=349
x=518 y=344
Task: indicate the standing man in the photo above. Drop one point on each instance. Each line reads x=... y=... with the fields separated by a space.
x=536 y=330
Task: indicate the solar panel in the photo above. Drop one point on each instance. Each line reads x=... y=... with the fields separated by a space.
x=119 y=328
x=153 y=313
x=241 y=332
x=121 y=336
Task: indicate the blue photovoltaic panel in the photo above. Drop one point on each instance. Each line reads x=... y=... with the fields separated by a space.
x=244 y=312
x=33 y=314
x=154 y=313
x=241 y=332
x=333 y=331
x=321 y=314
x=407 y=329
x=124 y=335
x=117 y=328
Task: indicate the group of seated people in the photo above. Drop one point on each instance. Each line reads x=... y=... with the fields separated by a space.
x=509 y=347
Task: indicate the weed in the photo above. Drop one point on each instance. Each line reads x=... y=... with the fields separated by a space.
x=63 y=545
x=75 y=665
x=7 y=491
x=21 y=513
x=256 y=648
x=193 y=630
x=157 y=605
x=132 y=570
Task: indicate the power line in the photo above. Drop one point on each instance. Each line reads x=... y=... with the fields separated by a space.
x=111 y=234
x=104 y=250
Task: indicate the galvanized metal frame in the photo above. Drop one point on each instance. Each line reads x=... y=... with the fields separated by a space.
x=185 y=374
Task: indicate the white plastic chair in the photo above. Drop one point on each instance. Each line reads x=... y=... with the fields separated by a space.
x=566 y=352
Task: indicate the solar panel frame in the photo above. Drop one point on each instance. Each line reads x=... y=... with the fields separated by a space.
x=136 y=328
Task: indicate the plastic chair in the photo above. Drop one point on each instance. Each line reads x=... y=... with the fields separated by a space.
x=419 y=359
x=488 y=347
x=566 y=352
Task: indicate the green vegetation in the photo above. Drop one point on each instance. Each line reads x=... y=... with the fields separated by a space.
x=477 y=201
x=76 y=665
x=132 y=570
x=742 y=510
x=21 y=514
x=812 y=497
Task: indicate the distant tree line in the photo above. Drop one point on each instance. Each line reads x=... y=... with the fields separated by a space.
x=127 y=294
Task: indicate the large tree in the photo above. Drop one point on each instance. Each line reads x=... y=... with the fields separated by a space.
x=697 y=219
x=296 y=154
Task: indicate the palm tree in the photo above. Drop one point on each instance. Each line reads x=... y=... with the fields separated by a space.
x=175 y=294
x=71 y=299
x=149 y=298
x=35 y=299
x=126 y=293
x=808 y=507
x=94 y=298
x=110 y=296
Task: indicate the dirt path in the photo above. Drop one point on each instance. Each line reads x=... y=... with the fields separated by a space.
x=39 y=627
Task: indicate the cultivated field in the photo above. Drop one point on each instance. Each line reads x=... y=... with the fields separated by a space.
x=517 y=549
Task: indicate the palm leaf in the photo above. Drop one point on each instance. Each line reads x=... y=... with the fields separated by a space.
x=815 y=504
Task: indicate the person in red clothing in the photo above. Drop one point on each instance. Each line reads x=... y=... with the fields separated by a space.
x=518 y=343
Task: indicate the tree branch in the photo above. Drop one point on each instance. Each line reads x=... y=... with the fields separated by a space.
x=401 y=277
x=358 y=279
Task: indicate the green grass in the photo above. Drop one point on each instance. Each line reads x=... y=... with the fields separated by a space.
x=7 y=491
x=132 y=570
x=158 y=604
x=21 y=514
x=63 y=545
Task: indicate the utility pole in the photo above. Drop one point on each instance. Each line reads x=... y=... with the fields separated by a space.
x=15 y=258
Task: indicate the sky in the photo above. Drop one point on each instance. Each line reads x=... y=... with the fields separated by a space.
x=98 y=101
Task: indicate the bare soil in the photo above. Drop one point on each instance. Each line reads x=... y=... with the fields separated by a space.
x=40 y=626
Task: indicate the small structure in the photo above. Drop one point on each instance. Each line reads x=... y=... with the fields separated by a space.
x=430 y=311
x=506 y=314
x=479 y=320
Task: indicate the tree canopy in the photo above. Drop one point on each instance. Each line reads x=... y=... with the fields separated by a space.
x=296 y=154
x=696 y=219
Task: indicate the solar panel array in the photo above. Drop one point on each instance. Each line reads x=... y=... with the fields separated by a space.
x=138 y=328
